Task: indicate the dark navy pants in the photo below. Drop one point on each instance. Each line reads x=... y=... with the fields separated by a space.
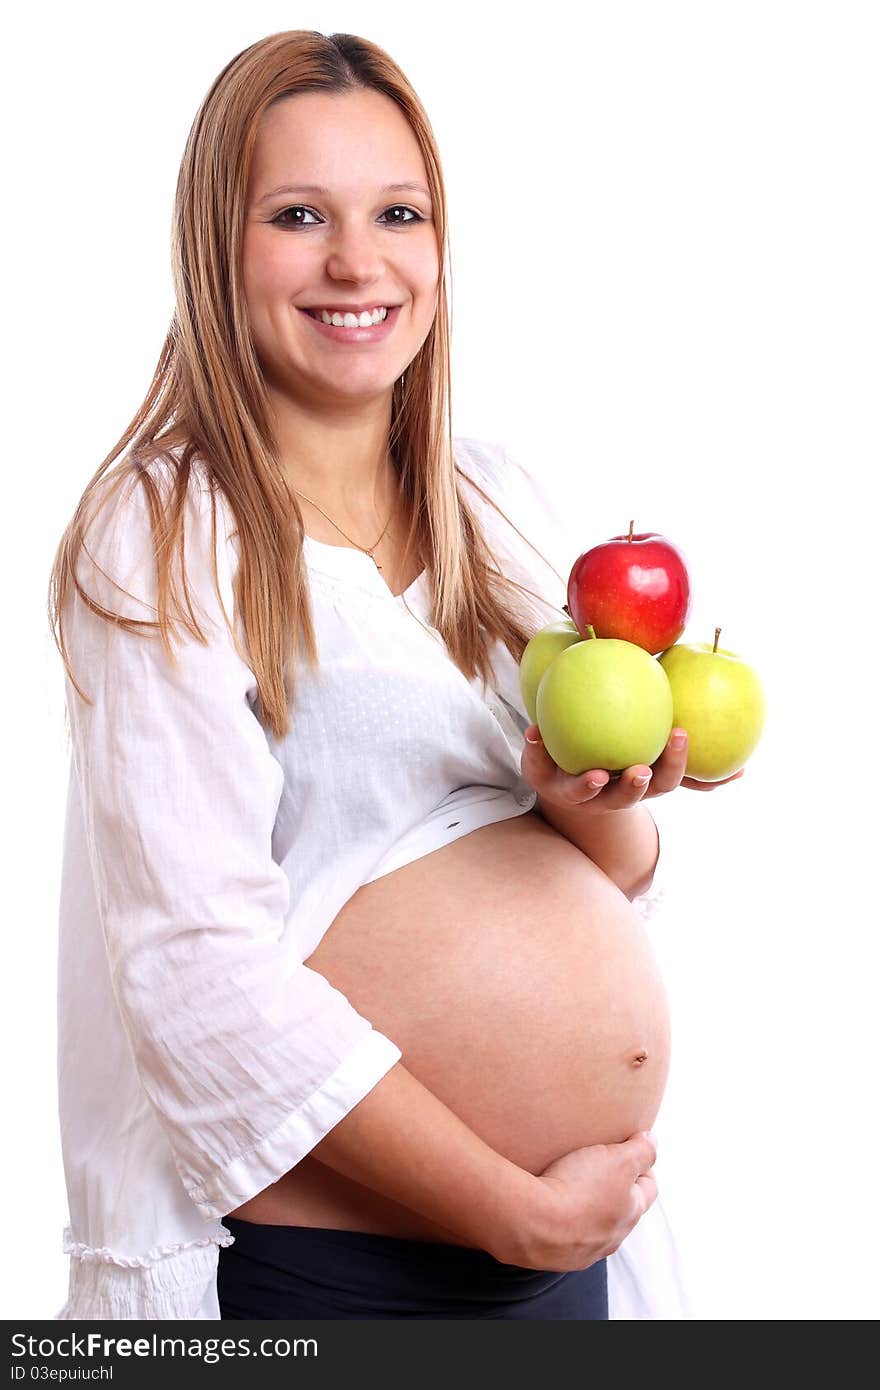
x=311 y=1272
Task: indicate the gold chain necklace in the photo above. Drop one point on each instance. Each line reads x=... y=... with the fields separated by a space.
x=347 y=537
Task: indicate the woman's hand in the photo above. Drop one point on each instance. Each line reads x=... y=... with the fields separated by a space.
x=598 y=790
x=587 y=1202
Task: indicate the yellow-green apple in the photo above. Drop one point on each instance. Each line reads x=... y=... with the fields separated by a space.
x=720 y=701
x=539 y=651
x=603 y=703
x=633 y=587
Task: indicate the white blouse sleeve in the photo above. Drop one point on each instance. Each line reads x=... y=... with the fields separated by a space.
x=248 y=1056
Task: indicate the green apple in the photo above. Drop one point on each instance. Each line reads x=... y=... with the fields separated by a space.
x=719 y=700
x=604 y=703
x=539 y=651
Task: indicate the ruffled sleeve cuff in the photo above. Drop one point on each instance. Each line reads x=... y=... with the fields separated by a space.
x=168 y=1282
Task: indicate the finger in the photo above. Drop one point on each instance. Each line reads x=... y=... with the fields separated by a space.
x=537 y=765
x=568 y=789
x=642 y=1152
x=627 y=789
x=552 y=781
x=669 y=767
x=645 y=1187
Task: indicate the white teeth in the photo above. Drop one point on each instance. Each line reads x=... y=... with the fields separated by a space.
x=364 y=320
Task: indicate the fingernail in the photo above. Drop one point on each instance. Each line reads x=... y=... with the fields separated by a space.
x=641 y=781
x=533 y=738
x=595 y=782
x=679 y=740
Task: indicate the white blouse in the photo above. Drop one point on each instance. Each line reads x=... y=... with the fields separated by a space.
x=199 y=1058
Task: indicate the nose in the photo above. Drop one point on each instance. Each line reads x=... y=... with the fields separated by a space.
x=354 y=255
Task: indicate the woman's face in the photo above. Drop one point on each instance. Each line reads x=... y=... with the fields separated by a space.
x=357 y=242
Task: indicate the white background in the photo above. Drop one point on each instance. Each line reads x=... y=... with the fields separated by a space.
x=664 y=229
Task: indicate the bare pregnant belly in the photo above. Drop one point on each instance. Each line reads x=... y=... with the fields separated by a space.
x=519 y=985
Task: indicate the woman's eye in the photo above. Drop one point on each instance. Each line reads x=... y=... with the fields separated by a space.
x=414 y=216
x=282 y=219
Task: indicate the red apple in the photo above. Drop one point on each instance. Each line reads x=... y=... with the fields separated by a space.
x=634 y=588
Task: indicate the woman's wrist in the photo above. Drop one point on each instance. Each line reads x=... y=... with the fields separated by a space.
x=525 y=1209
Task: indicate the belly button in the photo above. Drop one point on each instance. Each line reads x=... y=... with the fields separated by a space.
x=639 y=1058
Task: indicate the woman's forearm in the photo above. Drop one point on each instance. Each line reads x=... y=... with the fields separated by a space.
x=404 y=1143
x=625 y=845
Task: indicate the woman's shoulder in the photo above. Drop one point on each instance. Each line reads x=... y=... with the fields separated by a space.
x=480 y=460
x=496 y=466
x=524 y=494
x=119 y=502
x=490 y=478
x=123 y=525
x=518 y=490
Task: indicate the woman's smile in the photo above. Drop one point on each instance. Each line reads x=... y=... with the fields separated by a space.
x=351 y=332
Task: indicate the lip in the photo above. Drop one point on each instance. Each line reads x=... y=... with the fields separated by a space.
x=355 y=336
x=350 y=308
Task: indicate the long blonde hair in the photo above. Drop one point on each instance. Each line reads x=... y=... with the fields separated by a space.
x=208 y=401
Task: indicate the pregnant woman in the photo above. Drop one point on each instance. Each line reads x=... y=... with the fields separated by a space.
x=357 y=1014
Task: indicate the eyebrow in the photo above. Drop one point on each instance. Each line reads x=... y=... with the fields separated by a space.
x=316 y=188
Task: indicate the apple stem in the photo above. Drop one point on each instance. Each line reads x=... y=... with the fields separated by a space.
x=630 y=536
x=717 y=635
x=590 y=631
